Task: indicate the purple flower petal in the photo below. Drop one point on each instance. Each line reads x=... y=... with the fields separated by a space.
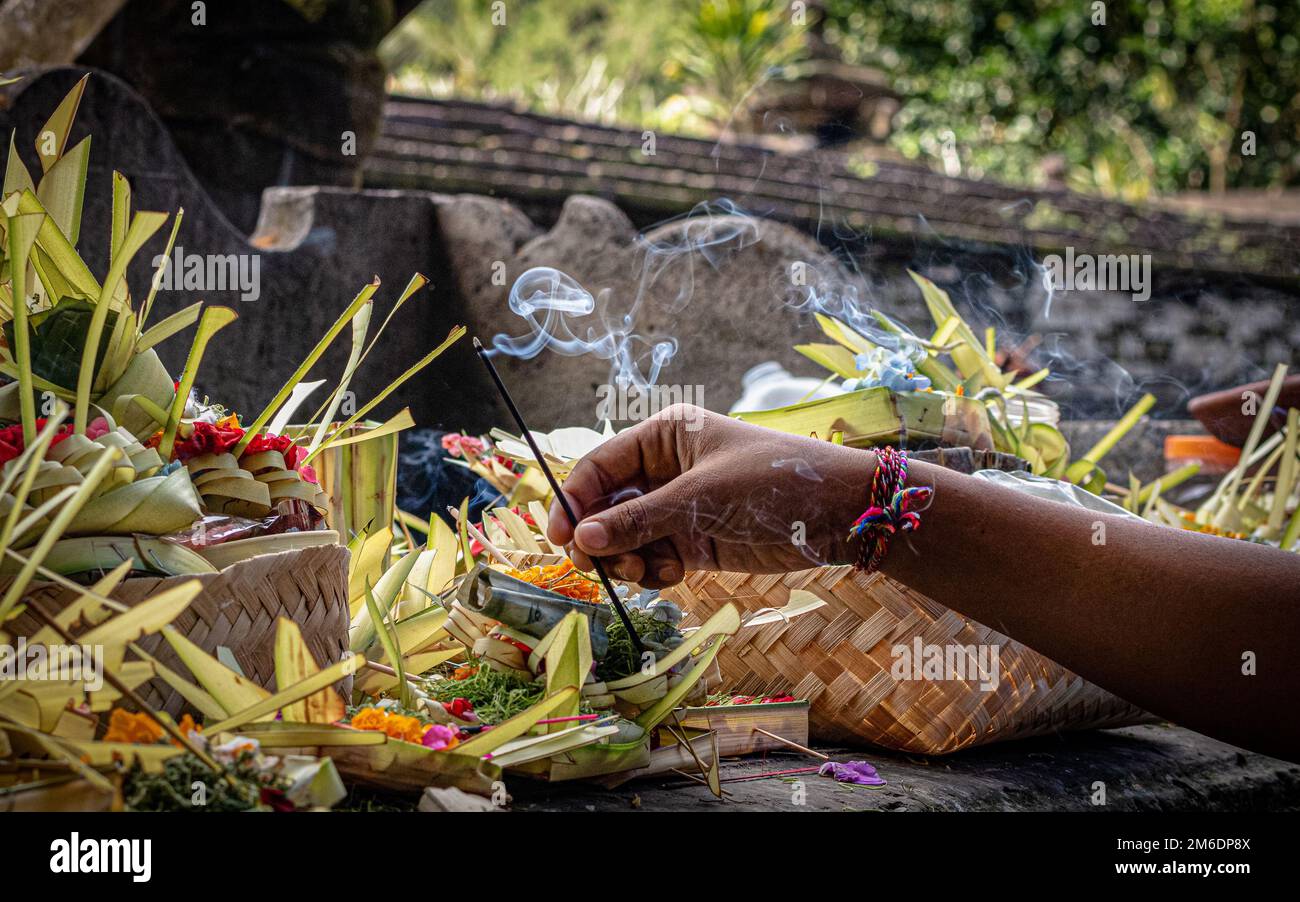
x=859 y=772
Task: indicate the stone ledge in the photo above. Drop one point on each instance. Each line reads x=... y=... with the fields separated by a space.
x=1145 y=768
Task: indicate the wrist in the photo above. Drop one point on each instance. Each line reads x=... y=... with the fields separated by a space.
x=854 y=474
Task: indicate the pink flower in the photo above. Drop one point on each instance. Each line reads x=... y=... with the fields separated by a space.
x=456 y=444
x=439 y=737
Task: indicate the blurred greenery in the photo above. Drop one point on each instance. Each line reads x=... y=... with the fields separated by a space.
x=676 y=65
x=1154 y=100
x=1157 y=99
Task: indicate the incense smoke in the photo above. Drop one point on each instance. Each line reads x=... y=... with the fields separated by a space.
x=564 y=317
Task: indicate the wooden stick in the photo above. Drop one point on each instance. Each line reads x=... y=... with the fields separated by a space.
x=698 y=779
x=475 y=533
x=388 y=671
x=773 y=773
x=792 y=744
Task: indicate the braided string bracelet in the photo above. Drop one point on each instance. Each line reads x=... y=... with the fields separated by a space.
x=890 y=509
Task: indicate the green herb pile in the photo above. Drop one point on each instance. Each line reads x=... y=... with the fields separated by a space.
x=622 y=659
x=173 y=789
x=495 y=696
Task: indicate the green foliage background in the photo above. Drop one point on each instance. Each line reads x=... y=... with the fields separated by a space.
x=1157 y=99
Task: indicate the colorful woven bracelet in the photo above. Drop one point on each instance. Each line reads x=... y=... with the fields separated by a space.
x=890 y=511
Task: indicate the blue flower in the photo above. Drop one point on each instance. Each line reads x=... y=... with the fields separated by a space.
x=895 y=370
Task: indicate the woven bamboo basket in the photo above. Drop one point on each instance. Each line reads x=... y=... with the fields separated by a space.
x=238 y=609
x=839 y=656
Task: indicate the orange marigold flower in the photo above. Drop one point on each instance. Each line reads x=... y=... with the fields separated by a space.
x=369 y=719
x=562 y=578
x=410 y=729
x=464 y=671
x=186 y=726
x=138 y=729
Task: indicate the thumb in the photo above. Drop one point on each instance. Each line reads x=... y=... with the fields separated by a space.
x=638 y=521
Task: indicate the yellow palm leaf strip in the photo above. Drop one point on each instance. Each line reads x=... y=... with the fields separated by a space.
x=59 y=125
x=92 y=606
x=59 y=251
x=167 y=327
x=303 y=368
x=290 y=694
x=360 y=326
x=29 y=464
x=417 y=282
x=22 y=232
x=38 y=514
x=55 y=747
x=452 y=337
x=121 y=213
x=212 y=321
x=142 y=229
x=399 y=421
x=156 y=281
x=60 y=522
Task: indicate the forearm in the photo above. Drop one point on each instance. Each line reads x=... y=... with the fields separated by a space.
x=1163 y=618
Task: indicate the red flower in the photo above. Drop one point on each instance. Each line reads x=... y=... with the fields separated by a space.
x=456 y=444
x=276 y=799
x=11 y=437
x=208 y=438
x=459 y=707
x=293 y=454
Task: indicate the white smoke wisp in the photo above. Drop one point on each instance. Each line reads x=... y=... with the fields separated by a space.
x=565 y=318
x=810 y=288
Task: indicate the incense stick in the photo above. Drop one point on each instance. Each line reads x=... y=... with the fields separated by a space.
x=792 y=744
x=559 y=494
x=497 y=554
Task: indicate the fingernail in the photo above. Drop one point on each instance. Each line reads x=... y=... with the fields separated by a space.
x=592 y=536
x=668 y=573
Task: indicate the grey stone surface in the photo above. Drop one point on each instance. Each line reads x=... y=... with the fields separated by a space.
x=724 y=304
x=1145 y=768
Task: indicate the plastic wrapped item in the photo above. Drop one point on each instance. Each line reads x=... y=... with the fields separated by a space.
x=217 y=529
x=769 y=385
x=1053 y=490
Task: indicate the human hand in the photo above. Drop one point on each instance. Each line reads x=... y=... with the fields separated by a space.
x=693 y=490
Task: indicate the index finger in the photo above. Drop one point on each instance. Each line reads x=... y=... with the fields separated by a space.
x=638 y=458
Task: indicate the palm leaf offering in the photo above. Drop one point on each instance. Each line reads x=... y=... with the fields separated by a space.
x=460 y=649
x=1257 y=500
x=69 y=705
x=903 y=389
x=942 y=391
x=181 y=469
